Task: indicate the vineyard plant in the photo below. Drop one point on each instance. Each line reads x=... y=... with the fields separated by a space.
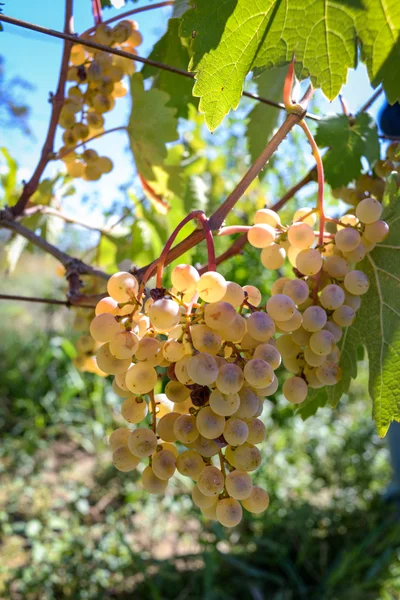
x=254 y=262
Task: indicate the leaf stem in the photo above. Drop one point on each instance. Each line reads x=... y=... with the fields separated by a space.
x=234 y=229
x=57 y=102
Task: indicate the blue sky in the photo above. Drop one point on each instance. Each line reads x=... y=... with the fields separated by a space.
x=37 y=58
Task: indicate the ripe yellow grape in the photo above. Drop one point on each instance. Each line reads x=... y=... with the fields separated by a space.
x=344 y=316
x=211 y=286
x=184 y=278
x=376 y=232
x=164 y=314
x=309 y=262
x=103 y=327
x=257 y=431
x=75 y=169
x=124 y=460
x=91 y=173
x=260 y=326
x=253 y=295
x=249 y=403
x=201 y=500
x=261 y=235
x=331 y=297
x=268 y=353
x=329 y=373
x=291 y=324
x=301 y=336
x=202 y=368
x=173 y=350
x=314 y=360
x=336 y=266
x=347 y=239
x=235 y=331
x=356 y=282
x=142 y=442
x=181 y=372
x=301 y=235
x=149 y=351
x=287 y=346
x=124 y=344
x=247 y=457
x=335 y=330
x=185 y=429
x=105 y=165
x=314 y=318
x=297 y=290
x=205 y=340
x=257 y=502
x=205 y=447
x=119 y=437
x=236 y=431
x=301 y=213
x=119 y=391
x=229 y=512
x=134 y=409
x=230 y=379
x=176 y=392
x=258 y=373
x=141 y=378
x=267 y=216
x=369 y=210
x=234 y=294
x=219 y=313
x=322 y=342
x=238 y=484
x=295 y=390
x=210 y=481
x=224 y=404
x=209 y=424
x=108 y=363
x=190 y=464
x=273 y=256
x=163 y=464
x=152 y=483
x=280 y=307
x=165 y=427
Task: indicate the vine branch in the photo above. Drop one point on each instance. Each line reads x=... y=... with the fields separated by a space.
x=129 y=13
x=42 y=300
x=46 y=210
x=57 y=102
x=371 y=100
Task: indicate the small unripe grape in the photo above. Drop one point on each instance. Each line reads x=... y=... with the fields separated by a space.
x=301 y=235
x=257 y=502
x=369 y=210
x=253 y=295
x=309 y=262
x=185 y=429
x=190 y=464
x=257 y=432
x=152 y=483
x=209 y=424
x=141 y=378
x=219 y=314
x=280 y=307
x=201 y=500
x=103 y=327
x=210 y=481
x=347 y=239
x=164 y=314
x=267 y=216
x=75 y=169
x=238 y=484
x=301 y=213
x=105 y=164
x=236 y=431
x=163 y=464
x=268 y=353
x=230 y=379
x=142 y=442
x=124 y=460
x=329 y=373
x=314 y=318
x=261 y=235
x=273 y=256
x=134 y=409
x=211 y=287
x=356 y=282
x=94 y=120
x=108 y=363
x=297 y=290
x=376 y=232
x=124 y=344
x=229 y=512
x=205 y=340
x=322 y=342
x=224 y=404
x=295 y=390
x=165 y=427
x=92 y=173
x=344 y=316
x=202 y=368
x=336 y=266
x=247 y=457
x=258 y=373
x=234 y=294
x=261 y=326
x=119 y=437
x=331 y=297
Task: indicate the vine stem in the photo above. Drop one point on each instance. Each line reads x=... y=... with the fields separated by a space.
x=77 y=302
x=46 y=210
x=232 y=229
x=320 y=171
x=129 y=13
x=147 y=61
x=371 y=100
x=57 y=103
x=96 y=9
x=153 y=410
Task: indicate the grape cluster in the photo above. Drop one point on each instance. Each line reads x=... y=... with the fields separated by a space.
x=209 y=346
x=97 y=81
x=311 y=309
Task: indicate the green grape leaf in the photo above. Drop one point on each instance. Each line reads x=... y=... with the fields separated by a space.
x=152 y=124
x=378 y=29
x=263 y=119
x=315 y=399
x=233 y=37
x=348 y=346
x=348 y=141
x=170 y=51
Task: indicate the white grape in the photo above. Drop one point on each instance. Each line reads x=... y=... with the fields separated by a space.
x=376 y=232
x=314 y=318
x=309 y=262
x=344 y=316
x=152 y=483
x=122 y=286
x=209 y=424
x=184 y=278
x=163 y=464
x=322 y=342
x=253 y=295
x=134 y=409
x=190 y=464
x=229 y=512
x=369 y=210
x=211 y=287
x=257 y=502
x=268 y=353
x=356 y=282
x=295 y=390
x=164 y=314
x=210 y=481
x=261 y=235
x=119 y=437
x=297 y=290
x=280 y=307
x=234 y=294
x=202 y=368
x=306 y=215
x=141 y=378
x=258 y=373
x=238 y=484
x=301 y=235
x=224 y=404
x=267 y=216
x=273 y=256
x=230 y=379
x=142 y=442
x=331 y=297
x=347 y=239
x=103 y=327
x=124 y=460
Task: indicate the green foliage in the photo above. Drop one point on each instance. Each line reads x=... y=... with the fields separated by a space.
x=348 y=141
x=170 y=51
x=234 y=38
x=151 y=125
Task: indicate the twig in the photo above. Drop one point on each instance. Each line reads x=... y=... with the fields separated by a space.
x=129 y=13
x=141 y=59
x=343 y=105
x=57 y=102
x=46 y=210
x=42 y=300
x=370 y=102
x=96 y=9
x=94 y=137
x=232 y=229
